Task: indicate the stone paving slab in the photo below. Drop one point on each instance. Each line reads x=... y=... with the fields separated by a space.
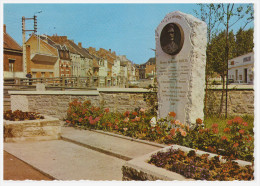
x=67 y=161
x=125 y=148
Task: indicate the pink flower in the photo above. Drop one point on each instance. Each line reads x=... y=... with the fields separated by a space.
x=80 y=119
x=125 y=129
x=183 y=133
x=116 y=127
x=137 y=118
x=177 y=122
x=126 y=120
x=142 y=110
x=97 y=119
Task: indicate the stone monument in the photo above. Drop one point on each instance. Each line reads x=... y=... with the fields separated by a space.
x=181 y=41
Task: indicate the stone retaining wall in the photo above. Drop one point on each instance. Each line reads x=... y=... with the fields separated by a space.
x=55 y=103
x=240 y=101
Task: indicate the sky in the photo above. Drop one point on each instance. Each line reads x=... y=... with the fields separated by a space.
x=127 y=29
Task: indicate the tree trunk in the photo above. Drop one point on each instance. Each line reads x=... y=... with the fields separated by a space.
x=222 y=95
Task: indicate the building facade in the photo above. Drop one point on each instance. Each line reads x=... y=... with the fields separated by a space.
x=42 y=57
x=12 y=57
x=241 y=69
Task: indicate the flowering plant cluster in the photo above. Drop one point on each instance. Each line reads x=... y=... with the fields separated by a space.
x=201 y=167
x=19 y=115
x=237 y=141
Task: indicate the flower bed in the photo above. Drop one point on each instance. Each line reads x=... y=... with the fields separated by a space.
x=201 y=167
x=48 y=128
x=237 y=143
x=18 y=115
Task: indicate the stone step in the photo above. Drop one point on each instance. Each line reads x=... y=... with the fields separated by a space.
x=116 y=145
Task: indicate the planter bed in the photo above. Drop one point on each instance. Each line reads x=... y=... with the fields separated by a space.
x=48 y=128
x=140 y=169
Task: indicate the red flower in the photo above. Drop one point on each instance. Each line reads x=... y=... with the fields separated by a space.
x=199 y=121
x=215 y=131
x=116 y=127
x=224 y=138
x=172 y=131
x=106 y=110
x=135 y=113
x=126 y=114
x=109 y=124
x=169 y=137
x=172 y=114
x=227 y=130
x=229 y=122
x=238 y=120
x=215 y=125
x=201 y=131
x=241 y=131
x=67 y=121
x=74 y=114
x=80 y=119
x=235 y=145
x=245 y=124
x=86 y=117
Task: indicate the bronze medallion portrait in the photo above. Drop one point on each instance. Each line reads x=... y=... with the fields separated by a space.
x=171 y=39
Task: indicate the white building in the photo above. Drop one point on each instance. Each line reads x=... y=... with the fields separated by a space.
x=241 y=69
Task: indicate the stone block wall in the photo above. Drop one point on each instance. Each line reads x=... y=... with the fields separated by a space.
x=240 y=101
x=56 y=103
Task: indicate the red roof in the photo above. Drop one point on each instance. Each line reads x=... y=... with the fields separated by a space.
x=10 y=43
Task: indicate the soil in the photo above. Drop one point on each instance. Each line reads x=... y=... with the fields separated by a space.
x=15 y=169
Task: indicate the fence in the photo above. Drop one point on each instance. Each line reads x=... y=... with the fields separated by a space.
x=68 y=82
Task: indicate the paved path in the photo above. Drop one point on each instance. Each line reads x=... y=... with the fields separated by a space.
x=82 y=155
x=15 y=169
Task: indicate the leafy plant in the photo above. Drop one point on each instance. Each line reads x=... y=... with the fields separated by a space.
x=201 y=167
x=19 y=115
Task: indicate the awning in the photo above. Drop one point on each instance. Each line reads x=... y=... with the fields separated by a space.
x=43 y=58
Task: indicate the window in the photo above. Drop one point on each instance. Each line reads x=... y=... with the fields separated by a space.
x=43 y=74
x=11 y=65
x=247 y=59
x=240 y=77
x=232 y=63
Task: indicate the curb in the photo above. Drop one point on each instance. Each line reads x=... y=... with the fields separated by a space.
x=96 y=149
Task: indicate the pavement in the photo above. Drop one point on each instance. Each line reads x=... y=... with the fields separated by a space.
x=79 y=155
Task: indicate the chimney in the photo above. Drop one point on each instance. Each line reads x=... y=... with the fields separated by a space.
x=110 y=51
x=4 y=28
x=80 y=44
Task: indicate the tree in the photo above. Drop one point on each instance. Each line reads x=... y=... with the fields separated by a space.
x=244 y=41
x=216 y=54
